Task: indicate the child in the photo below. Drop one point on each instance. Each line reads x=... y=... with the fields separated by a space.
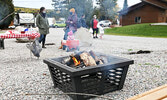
x=101 y=30
x=70 y=36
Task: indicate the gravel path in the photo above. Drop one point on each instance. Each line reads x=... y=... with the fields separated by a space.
x=21 y=74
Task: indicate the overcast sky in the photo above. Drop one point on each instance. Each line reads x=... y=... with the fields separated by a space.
x=47 y=3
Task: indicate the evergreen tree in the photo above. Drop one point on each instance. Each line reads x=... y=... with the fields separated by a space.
x=108 y=9
x=60 y=5
x=6 y=8
x=82 y=7
x=61 y=8
x=125 y=6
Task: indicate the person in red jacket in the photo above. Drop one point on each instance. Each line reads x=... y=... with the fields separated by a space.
x=94 y=26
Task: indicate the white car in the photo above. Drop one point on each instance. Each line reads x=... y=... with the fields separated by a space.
x=51 y=22
x=106 y=23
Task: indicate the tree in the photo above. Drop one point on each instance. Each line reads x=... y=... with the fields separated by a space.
x=108 y=9
x=61 y=8
x=7 y=8
x=83 y=7
x=125 y=8
x=125 y=5
x=60 y=5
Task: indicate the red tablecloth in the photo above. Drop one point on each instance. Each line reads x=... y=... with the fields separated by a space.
x=9 y=36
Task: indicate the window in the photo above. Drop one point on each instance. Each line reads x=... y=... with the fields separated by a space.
x=137 y=19
x=107 y=21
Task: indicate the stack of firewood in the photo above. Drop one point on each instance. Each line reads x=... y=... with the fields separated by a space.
x=84 y=59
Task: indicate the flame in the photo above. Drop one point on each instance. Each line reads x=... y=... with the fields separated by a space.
x=76 y=62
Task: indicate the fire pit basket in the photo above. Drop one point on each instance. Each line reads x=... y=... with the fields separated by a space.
x=97 y=80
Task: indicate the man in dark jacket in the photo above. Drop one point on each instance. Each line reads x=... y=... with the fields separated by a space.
x=83 y=22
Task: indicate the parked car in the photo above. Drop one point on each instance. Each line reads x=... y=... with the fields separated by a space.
x=51 y=22
x=59 y=24
x=106 y=23
x=12 y=27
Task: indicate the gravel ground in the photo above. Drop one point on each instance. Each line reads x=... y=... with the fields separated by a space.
x=21 y=74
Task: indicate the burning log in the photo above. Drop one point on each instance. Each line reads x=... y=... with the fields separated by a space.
x=88 y=59
x=66 y=61
x=73 y=61
x=84 y=59
x=98 y=61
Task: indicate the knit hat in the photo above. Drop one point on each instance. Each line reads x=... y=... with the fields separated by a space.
x=70 y=33
x=72 y=10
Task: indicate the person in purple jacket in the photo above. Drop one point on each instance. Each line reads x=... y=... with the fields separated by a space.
x=71 y=23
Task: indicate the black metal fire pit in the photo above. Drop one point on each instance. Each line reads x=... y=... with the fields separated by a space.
x=97 y=80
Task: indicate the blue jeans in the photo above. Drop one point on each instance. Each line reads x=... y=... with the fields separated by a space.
x=42 y=39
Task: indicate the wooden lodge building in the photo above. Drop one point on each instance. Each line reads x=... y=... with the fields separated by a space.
x=147 y=11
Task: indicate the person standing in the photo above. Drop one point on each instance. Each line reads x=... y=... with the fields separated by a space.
x=101 y=30
x=94 y=26
x=71 y=23
x=43 y=25
x=83 y=22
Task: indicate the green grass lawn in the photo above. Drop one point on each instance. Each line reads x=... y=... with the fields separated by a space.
x=142 y=30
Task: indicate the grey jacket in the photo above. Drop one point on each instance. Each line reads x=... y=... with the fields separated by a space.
x=42 y=24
